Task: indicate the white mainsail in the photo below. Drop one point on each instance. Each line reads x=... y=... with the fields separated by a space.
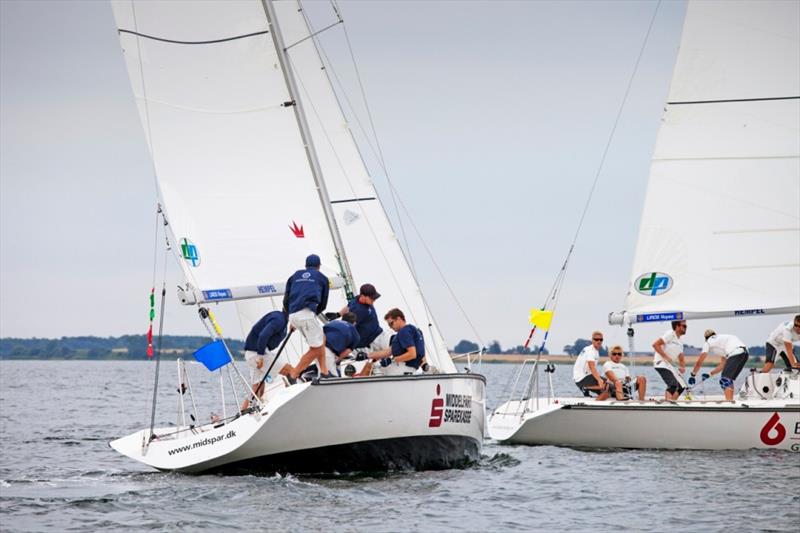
x=720 y=230
x=232 y=171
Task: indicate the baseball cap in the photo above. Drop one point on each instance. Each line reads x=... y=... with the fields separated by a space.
x=368 y=290
x=312 y=260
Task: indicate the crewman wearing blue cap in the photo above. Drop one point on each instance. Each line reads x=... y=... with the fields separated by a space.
x=306 y=297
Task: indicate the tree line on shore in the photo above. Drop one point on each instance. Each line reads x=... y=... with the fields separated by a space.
x=573 y=349
x=134 y=347
x=126 y=347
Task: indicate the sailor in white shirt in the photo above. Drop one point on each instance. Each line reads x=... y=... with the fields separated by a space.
x=585 y=372
x=666 y=349
x=780 y=342
x=733 y=355
x=619 y=377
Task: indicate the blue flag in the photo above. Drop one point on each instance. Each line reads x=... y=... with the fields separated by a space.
x=213 y=355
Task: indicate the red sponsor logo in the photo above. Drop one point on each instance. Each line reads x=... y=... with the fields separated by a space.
x=298 y=231
x=437 y=409
x=773 y=431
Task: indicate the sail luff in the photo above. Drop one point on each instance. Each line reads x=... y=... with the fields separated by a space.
x=302 y=123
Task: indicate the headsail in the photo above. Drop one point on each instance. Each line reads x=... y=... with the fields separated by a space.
x=720 y=230
x=232 y=171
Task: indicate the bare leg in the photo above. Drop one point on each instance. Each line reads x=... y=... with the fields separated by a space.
x=259 y=389
x=729 y=394
x=313 y=354
x=641 y=384
x=618 y=391
x=767 y=367
x=365 y=371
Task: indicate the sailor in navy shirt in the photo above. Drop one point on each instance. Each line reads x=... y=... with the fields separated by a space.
x=369 y=329
x=306 y=296
x=265 y=336
x=341 y=337
x=407 y=351
x=267 y=333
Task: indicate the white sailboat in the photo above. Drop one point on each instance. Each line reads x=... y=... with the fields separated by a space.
x=256 y=168
x=719 y=237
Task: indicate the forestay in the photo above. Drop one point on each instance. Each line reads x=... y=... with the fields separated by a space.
x=720 y=231
x=232 y=171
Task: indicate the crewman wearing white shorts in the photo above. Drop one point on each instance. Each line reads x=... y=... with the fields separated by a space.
x=306 y=297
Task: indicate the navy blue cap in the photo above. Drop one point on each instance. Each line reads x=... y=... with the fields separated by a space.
x=313 y=261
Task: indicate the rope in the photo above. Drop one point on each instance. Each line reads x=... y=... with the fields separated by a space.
x=158 y=351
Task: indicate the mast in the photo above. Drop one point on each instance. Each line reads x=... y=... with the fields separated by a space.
x=308 y=144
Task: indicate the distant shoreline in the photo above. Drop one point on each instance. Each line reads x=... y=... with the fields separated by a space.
x=494 y=359
x=569 y=359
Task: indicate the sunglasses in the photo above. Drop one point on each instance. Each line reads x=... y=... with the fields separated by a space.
x=616 y=353
x=598 y=340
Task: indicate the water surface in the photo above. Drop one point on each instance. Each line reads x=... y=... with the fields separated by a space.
x=58 y=473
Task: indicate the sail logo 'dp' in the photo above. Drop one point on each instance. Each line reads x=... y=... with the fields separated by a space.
x=653 y=283
x=297 y=230
x=189 y=252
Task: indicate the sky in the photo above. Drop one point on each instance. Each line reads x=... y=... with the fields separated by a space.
x=492 y=117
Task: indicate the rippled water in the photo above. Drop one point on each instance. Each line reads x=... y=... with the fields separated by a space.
x=57 y=473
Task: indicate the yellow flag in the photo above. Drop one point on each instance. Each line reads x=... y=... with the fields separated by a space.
x=541 y=319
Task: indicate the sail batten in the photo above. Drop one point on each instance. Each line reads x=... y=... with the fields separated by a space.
x=719 y=233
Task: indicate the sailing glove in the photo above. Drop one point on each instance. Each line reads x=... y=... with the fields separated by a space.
x=386 y=361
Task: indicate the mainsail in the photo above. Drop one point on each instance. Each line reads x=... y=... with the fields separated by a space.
x=232 y=170
x=720 y=230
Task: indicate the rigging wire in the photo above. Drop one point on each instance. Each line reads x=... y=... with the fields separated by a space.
x=379 y=150
x=349 y=183
x=396 y=197
x=555 y=291
x=325 y=59
x=158 y=350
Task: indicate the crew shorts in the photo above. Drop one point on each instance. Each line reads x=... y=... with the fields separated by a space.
x=330 y=360
x=670 y=379
x=588 y=381
x=381 y=342
x=257 y=374
x=734 y=365
x=305 y=321
x=772 y=351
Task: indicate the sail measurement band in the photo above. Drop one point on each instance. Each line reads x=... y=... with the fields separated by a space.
x=353 y=200
x=172 y=41
x=735 y=100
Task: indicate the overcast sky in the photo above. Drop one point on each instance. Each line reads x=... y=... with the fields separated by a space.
x=492 y=116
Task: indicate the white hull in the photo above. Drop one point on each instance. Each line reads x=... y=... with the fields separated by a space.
x=700 y=425
x=375 y=423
